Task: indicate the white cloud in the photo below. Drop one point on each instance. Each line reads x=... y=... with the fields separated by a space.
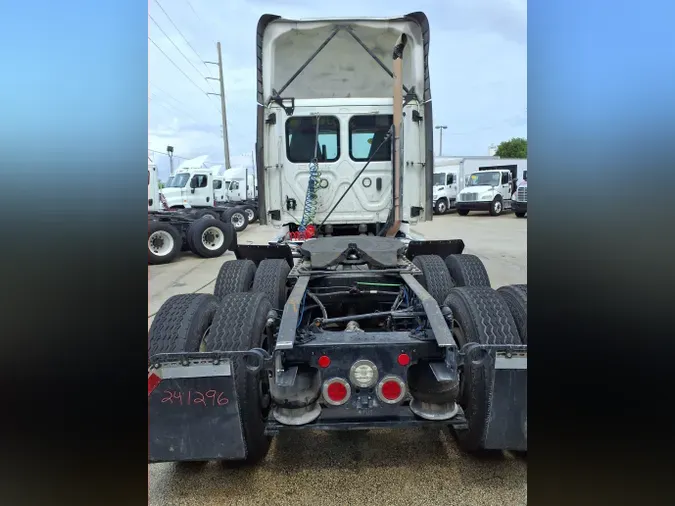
x=478 y=67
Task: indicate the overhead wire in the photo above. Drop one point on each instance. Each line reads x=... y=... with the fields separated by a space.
x=177 y=48
x=174 y=64
x=198 y=17
x=181 y=70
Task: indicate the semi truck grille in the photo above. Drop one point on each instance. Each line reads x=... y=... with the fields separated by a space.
x=469 y=197
x=522 y=194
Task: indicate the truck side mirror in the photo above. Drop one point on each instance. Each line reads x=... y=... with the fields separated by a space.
x=192 y=190
x=323 y=153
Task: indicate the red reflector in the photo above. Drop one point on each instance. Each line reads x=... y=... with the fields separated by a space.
x=324 y=361
x=153 y=381
x=391 y=390
x=403 y=359
x=336 y=391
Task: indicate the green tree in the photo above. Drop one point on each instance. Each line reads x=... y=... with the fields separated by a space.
x=161 y=185
x=515 y=148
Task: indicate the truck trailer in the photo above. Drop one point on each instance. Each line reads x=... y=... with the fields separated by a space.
x=346 y=321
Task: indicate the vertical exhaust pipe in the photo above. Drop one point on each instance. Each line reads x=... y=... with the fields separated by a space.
x=398 y=117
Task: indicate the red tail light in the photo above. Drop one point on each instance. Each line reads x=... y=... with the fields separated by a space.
x=391 y=389
x=336 y=391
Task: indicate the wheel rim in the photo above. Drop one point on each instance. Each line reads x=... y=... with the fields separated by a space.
x=209 y=216
x=249 y=213
x=238 y=220
x=441 y=207
x=498 y=207
x=212 y=238
x=160 y=243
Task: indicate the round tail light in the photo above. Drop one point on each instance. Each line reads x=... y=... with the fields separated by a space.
x=391 y=389
x=336 y=391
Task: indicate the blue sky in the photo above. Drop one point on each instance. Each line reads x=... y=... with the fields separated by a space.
x=478 y=65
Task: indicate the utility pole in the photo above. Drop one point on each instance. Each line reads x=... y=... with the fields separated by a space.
x=169 y=150
x=226 y=147
x=440 y=147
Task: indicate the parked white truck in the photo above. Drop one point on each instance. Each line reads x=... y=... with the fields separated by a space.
x=519 y=203
x=205 y=232
x=486 y=190
x=446 y=184
x=195 y=186
x=237 y=190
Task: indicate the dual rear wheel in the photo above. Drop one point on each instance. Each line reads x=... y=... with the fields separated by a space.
x=233 y=319
x=480 y=315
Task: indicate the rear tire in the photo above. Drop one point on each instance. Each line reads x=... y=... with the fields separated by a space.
x=251 y=213
x=467 y=270
x=270 y=279
x=237 y=217
x=206 y=213
x=520 y=215
x=209 y=238
x=180 y=323
x=463 y=212
x=515 y=297
x=481 y=316
x=164 y=242
x=239 y=325
x=234 y=276
x=435 y=276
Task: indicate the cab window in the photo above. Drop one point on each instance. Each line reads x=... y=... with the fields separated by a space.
x=302 y=143
x=234 y=185
x=199 y=181
x=505 y=177
x=366 y=133
x=217 y=184
x=451 y=179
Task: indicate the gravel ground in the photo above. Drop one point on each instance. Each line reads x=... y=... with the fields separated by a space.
x=392 y=467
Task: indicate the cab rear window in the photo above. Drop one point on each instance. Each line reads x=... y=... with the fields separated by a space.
x=366 y=133
x=303 y=144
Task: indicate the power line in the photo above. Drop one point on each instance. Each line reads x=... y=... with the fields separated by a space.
x=174 y=64
x=177 y=48
x=181 y=33
x=172 y=111
x=183 y=158
x=198 y=17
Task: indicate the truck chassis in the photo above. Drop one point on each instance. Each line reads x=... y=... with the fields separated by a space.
x=205 y=232
x=357 y=333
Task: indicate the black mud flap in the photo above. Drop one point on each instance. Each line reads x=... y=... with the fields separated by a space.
x=194 y=413
x=507 y=419
x=259 y=252
x=440 y=248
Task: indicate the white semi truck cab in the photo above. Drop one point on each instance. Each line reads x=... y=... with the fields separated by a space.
x=486 y=190
x=445 y=189
x=519 y=203
x=335 y=108
x=190 y=188
x=237 y=188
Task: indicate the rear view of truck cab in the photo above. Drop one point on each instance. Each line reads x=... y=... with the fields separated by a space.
x=367 y=327
x=325 y=93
